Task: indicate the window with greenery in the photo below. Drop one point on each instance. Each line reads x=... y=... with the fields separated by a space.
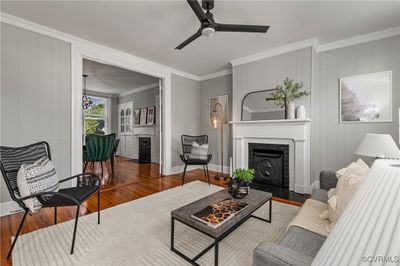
x=95 y=117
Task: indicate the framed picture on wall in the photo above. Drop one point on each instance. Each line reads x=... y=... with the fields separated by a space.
x=143 y=116
x=215 y=103
x=366 y=98
x=151 y=115
x=136 y=117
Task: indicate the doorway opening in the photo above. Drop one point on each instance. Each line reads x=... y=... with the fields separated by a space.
x=121 y=116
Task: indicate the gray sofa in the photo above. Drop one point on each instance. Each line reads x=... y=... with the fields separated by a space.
x=299 y=246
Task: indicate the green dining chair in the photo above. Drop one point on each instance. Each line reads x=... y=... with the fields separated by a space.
x=99 y=148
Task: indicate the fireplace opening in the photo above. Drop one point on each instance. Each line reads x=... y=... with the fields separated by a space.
x=271 y=164
x=144 y=150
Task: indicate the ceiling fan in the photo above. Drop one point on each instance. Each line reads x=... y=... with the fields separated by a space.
x=208 y=26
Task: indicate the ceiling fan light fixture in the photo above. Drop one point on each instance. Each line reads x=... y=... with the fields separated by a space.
x=208 y=32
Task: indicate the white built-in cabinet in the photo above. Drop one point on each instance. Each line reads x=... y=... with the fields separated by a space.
x=125 y=128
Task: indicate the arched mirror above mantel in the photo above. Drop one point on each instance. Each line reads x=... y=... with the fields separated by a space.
x=255 y=106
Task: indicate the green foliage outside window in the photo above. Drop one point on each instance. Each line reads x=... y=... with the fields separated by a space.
x=95 y=118
x=94 y=126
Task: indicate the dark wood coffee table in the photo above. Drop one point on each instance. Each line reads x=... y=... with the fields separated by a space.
x=255 y=199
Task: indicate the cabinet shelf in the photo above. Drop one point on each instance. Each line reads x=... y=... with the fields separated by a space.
x=145 y=125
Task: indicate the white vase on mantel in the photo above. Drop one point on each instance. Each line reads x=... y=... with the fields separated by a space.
x=301 y=112
x=290 y=110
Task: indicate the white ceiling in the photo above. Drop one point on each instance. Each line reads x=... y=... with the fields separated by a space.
x=152 y=29
x=113 y=80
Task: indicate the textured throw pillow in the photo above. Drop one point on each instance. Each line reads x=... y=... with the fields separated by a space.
x=350 y=179
x=199 y=151
x=35 y=178
x=332 y=205
x=331 y=192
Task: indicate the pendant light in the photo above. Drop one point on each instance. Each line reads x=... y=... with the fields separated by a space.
x=86 y=102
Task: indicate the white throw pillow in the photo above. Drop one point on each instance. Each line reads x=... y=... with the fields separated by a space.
x=35 y=178
x=350 y=178
x=199 y=151
x=331 y=192
x=332 y=204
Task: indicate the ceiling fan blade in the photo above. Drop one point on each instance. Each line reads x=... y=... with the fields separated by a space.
x=241 y=28
x=194 y=4
x=189 y=40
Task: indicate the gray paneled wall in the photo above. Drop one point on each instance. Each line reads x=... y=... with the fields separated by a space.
x=334 y=144
x=141 y=99
x=185 y=113
x=216 y=87
x=36 y=94
x=267 y=73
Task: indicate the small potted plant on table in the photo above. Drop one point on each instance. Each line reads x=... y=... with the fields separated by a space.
x=239 y=185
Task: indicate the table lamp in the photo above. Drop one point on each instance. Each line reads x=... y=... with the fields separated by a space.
x=380 y=146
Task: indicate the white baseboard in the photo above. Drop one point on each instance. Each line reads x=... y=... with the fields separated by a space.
x=9 y=207
x=179 y=169
x=300 y=189
x=315 y=185
x=217 y=168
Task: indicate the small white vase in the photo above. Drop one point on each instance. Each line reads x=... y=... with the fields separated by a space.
x=301 y=112
x=290 y=110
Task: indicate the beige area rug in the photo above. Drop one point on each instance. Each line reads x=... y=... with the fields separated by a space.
x=138 y=233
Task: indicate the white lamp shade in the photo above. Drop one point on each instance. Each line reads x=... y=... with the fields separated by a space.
x=378 y=146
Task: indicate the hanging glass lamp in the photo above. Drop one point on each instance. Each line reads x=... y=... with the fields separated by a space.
x=86 y=102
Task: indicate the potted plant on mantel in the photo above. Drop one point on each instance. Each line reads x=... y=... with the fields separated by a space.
x=285 y=95
x=239 y=185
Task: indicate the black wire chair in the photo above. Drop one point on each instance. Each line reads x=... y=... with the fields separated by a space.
x=187 y=144
x=11 y=159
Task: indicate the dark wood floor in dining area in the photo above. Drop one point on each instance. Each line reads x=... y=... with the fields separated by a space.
x=130 y=181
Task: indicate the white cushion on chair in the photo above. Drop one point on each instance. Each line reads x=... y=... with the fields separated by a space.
x=35 y=178
x=199 y=151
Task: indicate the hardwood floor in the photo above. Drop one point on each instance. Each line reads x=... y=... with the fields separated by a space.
x=131 y=181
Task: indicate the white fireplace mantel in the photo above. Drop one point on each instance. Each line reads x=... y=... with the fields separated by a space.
x=292 y=132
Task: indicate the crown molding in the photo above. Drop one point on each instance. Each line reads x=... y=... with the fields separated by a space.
x=373 y=36
x=275 y=51
x=146 y=87
x=313 y=42
x=369 y=37
x=101 y=94
x=216 y=74
x=38 y=28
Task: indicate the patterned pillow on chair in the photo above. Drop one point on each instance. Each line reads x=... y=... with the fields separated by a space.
x=35 y=178
x=199 y=151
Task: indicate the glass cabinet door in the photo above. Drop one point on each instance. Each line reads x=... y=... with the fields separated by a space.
x=128 y=120
x=122 y=121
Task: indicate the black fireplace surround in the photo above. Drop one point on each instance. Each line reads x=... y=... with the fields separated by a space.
x=271 y=164
x=144 y=150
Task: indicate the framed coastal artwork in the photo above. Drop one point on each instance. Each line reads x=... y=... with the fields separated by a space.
x=151 y=115
x=215 y=103
x=143 y=116
x=136 y=117
x=366 y=98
